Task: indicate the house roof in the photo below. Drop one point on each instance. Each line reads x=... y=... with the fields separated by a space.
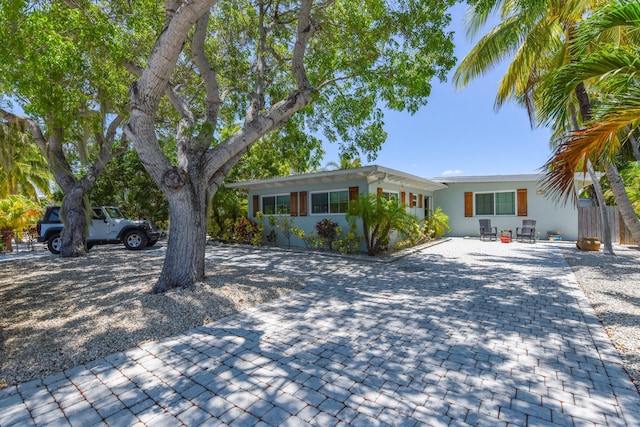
x=371 y=173
x=581 y=180
x=489 y=178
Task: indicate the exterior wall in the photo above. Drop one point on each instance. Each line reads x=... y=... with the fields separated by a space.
x=548 y=214
x=308 y=223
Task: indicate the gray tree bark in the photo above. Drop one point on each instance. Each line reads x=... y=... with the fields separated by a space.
x=199 y=167
x=74 y=207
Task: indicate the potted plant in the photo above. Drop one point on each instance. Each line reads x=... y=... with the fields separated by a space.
x=505 y=236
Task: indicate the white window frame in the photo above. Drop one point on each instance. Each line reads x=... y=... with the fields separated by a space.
x=515 y=203
x=276 y=203
x=328 y=193
x=388 y=195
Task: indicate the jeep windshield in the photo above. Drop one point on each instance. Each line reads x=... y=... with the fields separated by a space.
x=114 y=212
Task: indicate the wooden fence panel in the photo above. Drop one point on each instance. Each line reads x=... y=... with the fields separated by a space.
x=590 y=225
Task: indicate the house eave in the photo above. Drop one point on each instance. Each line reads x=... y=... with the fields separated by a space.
x=371 y=173
x=581 y=180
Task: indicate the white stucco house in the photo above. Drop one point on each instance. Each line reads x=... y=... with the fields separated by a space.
x=505 y=199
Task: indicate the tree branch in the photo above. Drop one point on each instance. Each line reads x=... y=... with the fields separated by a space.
x=209 y=77
x=257 y=98
x=305 y=32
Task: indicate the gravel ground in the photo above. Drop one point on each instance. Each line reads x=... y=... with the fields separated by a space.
x=612 y=285
x=57 y=313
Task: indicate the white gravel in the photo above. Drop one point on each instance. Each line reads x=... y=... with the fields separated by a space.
x=612 y=285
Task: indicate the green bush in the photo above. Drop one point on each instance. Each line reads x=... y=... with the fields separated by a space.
x=327 y=229
x=247 y=232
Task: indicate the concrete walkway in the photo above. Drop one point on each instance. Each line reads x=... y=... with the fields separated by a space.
x=460 y=333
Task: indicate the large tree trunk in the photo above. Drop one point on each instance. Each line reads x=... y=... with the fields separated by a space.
x=622 y=199
x=604 y=215
x=184 y=263
x=199 y=166
x=76 y=228
x=597 y=188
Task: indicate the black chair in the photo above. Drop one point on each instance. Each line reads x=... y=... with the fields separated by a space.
x=487 y=230
x=527 y=231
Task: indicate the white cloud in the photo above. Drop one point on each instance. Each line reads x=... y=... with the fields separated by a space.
x=452 y=172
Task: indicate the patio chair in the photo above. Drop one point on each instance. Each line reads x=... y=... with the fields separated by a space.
x=487 y=230
x=528 y=230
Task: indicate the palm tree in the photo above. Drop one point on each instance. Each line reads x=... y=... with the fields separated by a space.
x=379 y=218
x=537 y=34
x=23 y=168
x=611 y=69
x=16 y=213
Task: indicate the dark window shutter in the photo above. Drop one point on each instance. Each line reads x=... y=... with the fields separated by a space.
x=468 y=204
x=522 y=202
x=379 y=191
x=353 y=193
x=294 y=203
x=256 y=204
x=411 y=200
x=403 y=198
x=303 y=203
x=420 y=200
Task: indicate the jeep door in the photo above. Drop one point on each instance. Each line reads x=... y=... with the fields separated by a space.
x=100 y=225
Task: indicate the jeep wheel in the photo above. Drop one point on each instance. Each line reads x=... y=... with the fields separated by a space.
x=135 y=240
x=54 y=244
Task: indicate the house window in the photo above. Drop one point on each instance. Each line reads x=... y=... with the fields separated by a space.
x=330 y=202
x=388 y=195
x=506 y=203
x=276 y=205
x=498 y=203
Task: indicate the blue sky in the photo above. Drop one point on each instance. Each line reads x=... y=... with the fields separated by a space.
x=458 y=132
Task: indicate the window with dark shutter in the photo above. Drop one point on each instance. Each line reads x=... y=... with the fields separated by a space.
x=256 y=204
x=522 y=202
x=294 y=203
x=468 y=204
x=302 y=198
x=353 y=193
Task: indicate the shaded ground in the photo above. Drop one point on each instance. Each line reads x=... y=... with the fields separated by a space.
x=57 y=313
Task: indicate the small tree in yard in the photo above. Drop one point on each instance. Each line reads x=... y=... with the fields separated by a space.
x=437 y=223
x=379 y=218
x=58 y=64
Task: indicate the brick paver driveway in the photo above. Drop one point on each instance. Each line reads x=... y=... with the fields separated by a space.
x=460 y=333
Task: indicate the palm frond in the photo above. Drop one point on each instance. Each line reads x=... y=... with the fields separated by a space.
x=600 y=67
x=536 y=46
x=496 y=45
x=620 y=13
